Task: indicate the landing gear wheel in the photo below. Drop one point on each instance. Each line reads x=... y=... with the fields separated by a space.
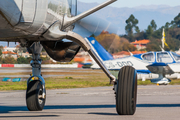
x=126 y=91
x=34 y=96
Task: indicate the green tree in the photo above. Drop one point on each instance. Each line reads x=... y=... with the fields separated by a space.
x=9 y=60
x=154 y=45
x=0 y=52
x=176 y=21
x=131 y=23
x=157 y=34
x=1 y=47
x=153 y=25
x=167 y=25
x=173 y=44
x=140 y=36
x=149 y=32
x=137 y=29
x=22 y=60
x=1 y=60
x=29 y=59
x=124 y=45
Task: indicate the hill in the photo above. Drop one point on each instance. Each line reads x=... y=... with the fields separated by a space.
x=160 y=13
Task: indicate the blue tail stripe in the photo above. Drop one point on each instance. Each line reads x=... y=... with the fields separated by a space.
x=100 y=50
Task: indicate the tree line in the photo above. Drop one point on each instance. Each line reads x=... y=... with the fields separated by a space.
x=9 y=59
x=172 y=32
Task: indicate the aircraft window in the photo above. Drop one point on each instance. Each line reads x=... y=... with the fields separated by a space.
x=148 y=57
x=164 y=57
x=176 y=56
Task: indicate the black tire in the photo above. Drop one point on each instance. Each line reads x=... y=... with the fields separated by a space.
x=33 y=100
x=126 y=91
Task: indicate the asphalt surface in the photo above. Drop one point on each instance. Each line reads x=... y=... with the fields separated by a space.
x=154 y=103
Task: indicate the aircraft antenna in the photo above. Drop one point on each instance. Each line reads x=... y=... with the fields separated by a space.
x=162 y=49
x=130 y=53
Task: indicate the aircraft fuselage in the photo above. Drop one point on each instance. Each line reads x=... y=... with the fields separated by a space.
x=22 y=18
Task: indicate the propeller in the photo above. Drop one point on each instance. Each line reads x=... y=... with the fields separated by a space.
x=85 y=24
x=94 y=25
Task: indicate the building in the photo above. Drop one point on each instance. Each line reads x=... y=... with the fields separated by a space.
x=141 y=44
x=83 y=57
x=12 y=49
x=25 y=55
x=120 y=54
x=7 y=53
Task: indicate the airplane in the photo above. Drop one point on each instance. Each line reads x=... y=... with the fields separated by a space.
x=50 y=24
x=159 y=62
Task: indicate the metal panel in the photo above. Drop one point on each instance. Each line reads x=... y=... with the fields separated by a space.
x=27 y=15
x=11 y=10
x=33 y=16
x=28 y=11
x=40 y=17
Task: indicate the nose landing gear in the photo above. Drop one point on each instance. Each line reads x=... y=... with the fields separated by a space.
x=36 y=92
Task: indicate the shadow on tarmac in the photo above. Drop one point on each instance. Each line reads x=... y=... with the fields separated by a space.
x=104 y=113
x=7 y=109
x=158 y=105
x=30 y=116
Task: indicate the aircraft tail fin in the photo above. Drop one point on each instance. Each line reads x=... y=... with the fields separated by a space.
x=103 y=54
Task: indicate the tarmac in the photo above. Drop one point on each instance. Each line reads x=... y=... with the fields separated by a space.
x=153 y=103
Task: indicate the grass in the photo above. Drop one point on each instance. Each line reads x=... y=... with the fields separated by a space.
x=148 y=82
x=73 y=79
x=13 y=85
x=76 y=82
x=76 y=79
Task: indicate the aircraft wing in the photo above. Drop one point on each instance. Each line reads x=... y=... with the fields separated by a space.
x=160 y=68
x=143 y=71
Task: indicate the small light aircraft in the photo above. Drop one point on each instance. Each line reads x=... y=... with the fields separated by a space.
x=49 y=24
x=161 y=62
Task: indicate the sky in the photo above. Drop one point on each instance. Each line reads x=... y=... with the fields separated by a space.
x=134 y=3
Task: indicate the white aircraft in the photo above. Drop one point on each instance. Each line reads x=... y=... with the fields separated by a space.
x=49 y=24
x=161 y=62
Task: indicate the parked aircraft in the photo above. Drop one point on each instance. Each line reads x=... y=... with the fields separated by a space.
x=160 y=62
x=49 y=24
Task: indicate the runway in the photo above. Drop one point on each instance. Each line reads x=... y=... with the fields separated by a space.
x=25 y=72
x=154 y=103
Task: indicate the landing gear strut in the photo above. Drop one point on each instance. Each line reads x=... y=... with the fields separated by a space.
x=36 y=93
